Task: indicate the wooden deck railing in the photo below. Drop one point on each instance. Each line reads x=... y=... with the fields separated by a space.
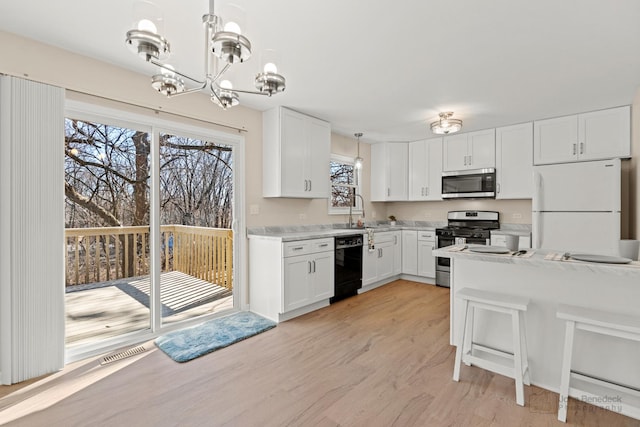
x=109 y=253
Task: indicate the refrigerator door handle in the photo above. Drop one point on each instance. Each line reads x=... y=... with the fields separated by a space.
x=537 y=192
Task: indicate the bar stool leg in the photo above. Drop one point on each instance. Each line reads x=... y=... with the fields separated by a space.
x=525 y=351
x=517 y=356
x=460 y=343
x=468 y=333
x=565 y=376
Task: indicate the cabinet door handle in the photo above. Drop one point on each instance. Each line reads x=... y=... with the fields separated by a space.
x=498 y=188
x=470 y=160
x=324 y=245
x=395 y=240
x=298 y=248
x=582 y=148
x=314 y=265
x=379 y=252
x=465 y=160
x=309 y=262
x=388 y=191
x=426 y=190
x=310 y=184
x=574 y=149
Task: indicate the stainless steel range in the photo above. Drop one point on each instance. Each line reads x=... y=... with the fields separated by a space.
x=463 y=227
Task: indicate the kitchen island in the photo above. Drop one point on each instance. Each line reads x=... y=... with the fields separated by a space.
x=548 y=283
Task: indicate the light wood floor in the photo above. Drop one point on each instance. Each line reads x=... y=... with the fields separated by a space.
x=377 y=359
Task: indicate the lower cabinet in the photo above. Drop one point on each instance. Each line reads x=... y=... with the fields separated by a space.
x=426 y=259
x=307 y=279
x=409 y=252
x=384 y=260
x=417 y=253
x=287 y=279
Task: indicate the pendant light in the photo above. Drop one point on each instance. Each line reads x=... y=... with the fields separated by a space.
x=357 y=162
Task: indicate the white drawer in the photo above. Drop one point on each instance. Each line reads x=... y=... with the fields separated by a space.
x=426 y=235
x=303 y=247
x=322 y=245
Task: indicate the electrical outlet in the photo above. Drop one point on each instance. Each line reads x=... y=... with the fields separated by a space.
x=302 y=216
x=254 y=210
x=516 y=216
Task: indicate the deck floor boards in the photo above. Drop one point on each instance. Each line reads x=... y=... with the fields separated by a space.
x=105 y=310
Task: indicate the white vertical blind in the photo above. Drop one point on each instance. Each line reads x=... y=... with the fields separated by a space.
x=31 y=229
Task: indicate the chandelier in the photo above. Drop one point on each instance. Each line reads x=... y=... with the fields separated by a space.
x=446 y=125
x=224 y=46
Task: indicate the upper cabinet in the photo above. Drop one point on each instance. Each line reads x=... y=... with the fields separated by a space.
x=296 y=153
x=389 y=171
x=603 y=134
x=514 y=161
x=425 y=169
x=473 y=150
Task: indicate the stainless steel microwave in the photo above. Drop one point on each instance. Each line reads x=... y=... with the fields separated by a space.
x=469 y=184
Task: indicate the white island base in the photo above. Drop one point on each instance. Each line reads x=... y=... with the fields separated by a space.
x=547 y=284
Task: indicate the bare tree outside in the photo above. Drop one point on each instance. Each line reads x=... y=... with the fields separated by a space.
x=107 y=185
x=342 y=184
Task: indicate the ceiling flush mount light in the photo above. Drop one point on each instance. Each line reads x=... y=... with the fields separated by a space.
x=225 y=46
x=357 y=162
x=446 y=124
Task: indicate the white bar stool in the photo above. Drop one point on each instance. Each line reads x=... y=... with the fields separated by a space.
x=599 y=322
x=508 y=304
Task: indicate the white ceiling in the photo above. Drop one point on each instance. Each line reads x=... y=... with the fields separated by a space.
x=387 y=68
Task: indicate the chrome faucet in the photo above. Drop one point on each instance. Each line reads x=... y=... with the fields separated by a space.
x=351 y=207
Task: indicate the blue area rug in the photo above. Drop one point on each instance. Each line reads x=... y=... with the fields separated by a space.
x=189 y=343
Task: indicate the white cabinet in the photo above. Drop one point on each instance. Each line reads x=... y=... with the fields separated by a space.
x=514 y=161
x=389 y=170
x=426 y=259
x=603 y=134
x=500 y=240
x=417 y=253
x=409 y=252
x=291 y=278
x=385 y=260
x=296 y=151
x=473 y=150
x=425 y=169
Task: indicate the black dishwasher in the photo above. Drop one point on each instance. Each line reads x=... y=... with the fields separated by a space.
x=348 y=266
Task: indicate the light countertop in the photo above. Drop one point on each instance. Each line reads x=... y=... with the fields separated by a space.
x=543 y=258
x=288 y=234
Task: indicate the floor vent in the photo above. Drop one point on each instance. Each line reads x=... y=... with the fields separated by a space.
x=123 y=355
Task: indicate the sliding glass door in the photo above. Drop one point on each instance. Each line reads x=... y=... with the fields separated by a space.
x=149 y=212
x=196 y=212
x=106 y=230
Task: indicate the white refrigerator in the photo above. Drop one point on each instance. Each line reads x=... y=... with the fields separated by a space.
x=576 y=207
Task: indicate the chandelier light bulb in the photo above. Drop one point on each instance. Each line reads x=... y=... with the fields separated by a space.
x=270 y=67
x=147 y=25
x=74 y=151
x=226 y=84
x=232 y=27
